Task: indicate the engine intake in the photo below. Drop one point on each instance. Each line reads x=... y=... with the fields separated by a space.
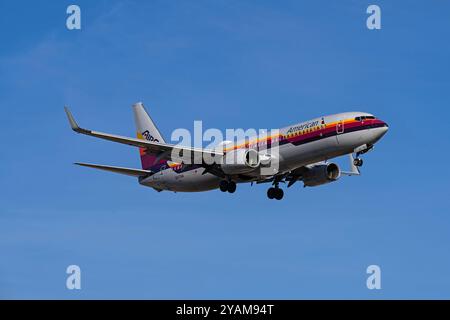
x=321 y=174
x=240 y=161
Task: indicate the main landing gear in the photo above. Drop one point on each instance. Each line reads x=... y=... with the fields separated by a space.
x=226 y=185
x=275 y=193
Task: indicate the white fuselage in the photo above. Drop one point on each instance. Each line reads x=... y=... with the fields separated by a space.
x=300 y=145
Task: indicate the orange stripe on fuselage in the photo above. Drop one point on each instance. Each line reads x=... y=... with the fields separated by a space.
x=321 y=127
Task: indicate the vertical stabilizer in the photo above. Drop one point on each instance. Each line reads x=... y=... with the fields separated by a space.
x=146 y=130
x=145 y=126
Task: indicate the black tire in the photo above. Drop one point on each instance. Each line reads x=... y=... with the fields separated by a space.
x=231 y=187
x=271 y=193
x=358 y=162
x=279 y=194
x=223 y=186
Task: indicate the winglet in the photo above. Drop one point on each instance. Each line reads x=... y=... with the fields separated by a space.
x=73 y=123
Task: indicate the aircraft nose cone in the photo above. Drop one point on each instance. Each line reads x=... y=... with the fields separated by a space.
x=382 y=130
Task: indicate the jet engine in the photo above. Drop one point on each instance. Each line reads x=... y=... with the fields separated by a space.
x=240 y=161
x=321 y=174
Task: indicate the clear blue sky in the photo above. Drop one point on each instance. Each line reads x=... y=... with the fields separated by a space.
x=250 y=64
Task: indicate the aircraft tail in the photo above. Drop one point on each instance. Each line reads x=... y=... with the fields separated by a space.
x=146 y=130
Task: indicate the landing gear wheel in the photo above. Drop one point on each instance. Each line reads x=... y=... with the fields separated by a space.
x=271 y=193
x=358 y=162
x=279 y=194
x=223 y=185
x=231 y=187
x=275 y=193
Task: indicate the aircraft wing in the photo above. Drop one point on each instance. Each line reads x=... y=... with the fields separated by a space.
x=126 y=171
x=164 y=150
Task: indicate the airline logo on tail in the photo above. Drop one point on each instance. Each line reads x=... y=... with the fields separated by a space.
x=146 y=134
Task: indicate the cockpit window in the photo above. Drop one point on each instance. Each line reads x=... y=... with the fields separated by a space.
x=362 y=118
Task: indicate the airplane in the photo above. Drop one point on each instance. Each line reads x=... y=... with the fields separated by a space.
x=303 y=153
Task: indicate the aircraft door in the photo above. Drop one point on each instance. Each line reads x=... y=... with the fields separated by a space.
x=339 y=129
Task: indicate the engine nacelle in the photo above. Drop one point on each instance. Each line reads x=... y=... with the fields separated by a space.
x=240 y=161
x=321 y=174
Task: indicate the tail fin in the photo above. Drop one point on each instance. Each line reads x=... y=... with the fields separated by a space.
x=146 y=130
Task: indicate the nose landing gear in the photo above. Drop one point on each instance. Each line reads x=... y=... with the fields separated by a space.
x=358 y=162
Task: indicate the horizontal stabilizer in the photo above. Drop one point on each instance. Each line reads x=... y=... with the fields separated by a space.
x=126 y=171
